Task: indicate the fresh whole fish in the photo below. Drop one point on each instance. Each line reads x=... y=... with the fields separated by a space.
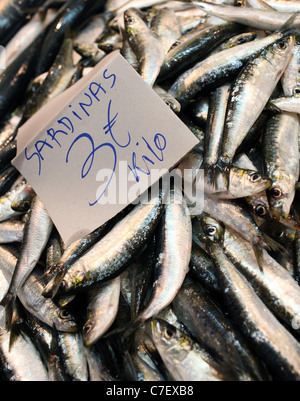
x=282 y=162
x=146 y=46
x=99 y=263
x=22 y=362
x=218 y=68
x=173 y=256
x=242 y=109
x=192 y=49
x=101 y=311
x=270 y=20
x=36 y=234
x=184 y=359
x=266 y=333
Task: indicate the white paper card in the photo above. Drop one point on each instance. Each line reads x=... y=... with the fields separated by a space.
x=94 y=149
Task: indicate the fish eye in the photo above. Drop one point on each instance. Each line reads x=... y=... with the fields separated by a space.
x=211 y=230
x=87 y=328
x=26 y=205
x=297 y=90
x=276 y=193
x=169 y=333
x=282 y=45
x=254 y=177
x=260 y=210
x=130 y=20
x=64 y=314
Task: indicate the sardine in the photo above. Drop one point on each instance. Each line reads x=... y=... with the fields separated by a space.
x=36 y=234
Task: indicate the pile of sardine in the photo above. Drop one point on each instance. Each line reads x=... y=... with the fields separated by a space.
x=159 y=293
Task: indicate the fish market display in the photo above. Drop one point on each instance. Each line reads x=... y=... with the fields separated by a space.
x=165 y=290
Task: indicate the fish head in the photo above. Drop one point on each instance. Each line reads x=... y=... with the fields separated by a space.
x=65 y=322
x=132 y=21
x=260 y=205
x=280 y=199
x=212 y=229
x=282 y=234
x=89 y=335
x=169 y=341
x=280 y=52
x=244 y=183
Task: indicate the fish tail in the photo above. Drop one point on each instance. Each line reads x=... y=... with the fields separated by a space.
x=273 y=245
x=221 y=177
x=8 y=302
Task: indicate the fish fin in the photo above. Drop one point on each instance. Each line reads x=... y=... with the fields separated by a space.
x=53 y=285
x=273 y=245
x=15 y=329
x=286 y=28
x=8 y=302
x=126 y=330
x=258 y=251
x=47 y=275
x=272 y=107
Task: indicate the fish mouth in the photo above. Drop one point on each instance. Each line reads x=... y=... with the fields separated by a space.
x=290 y=222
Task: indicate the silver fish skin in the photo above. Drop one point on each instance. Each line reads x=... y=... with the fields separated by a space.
x=11 y=231
x=291 y=77
x=4 y=284
x=281 y=161
x=290 y=104
x=214 y=128
x=218 y=67
x=197 y=310
x=250 y=94
x=275 y=286
x=91 y=31
x=235 y=41
x=96 y=366
x=115 y=250
x=45 y=341
x=36 y=235
x=193 y=47
x=284 y=6
x=148 y=49
x=6 y=212
x=30 y=295
x=73 y=355
x=260 y=4
x=27 y=35
x=270 y=20
x=102 y=310
x=166 y=27
x=271 y=341
x=22 y=361
x=234 y=216
x=56 y=82
x=184 y=359
x=174 y=254
x=145 y=372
